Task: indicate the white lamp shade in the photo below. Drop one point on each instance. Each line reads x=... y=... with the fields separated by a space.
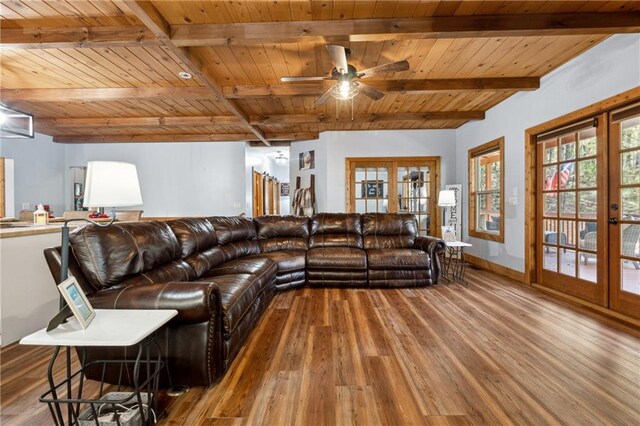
x=112 y=184
x=447 y=198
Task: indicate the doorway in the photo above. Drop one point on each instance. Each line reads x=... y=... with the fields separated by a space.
x=588 y=209
x=266 y=194
x=396 y=185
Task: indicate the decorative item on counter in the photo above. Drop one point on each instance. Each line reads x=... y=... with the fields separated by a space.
x=40 y=216
x=48 y=210
x=98 y=215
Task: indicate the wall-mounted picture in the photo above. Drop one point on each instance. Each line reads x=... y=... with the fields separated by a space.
x=372 y=189
x=284 y=189
x=307 y=160
x=77 y=301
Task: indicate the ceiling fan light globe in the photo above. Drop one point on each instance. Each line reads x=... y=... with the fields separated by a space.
x=345 y=88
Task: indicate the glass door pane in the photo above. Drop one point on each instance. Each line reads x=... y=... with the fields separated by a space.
x=625 y=209
x=568 y=208
x=414 y=194
x=370 y=188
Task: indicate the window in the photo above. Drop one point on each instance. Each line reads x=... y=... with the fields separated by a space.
x=486 y=192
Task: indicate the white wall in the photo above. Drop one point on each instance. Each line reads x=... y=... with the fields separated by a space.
x=333 y=148
x=39 y=166
x=606 y=70
x=178 y=179
x=28 y=294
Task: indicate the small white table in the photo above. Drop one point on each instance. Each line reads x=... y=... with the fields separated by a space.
x=110 y=327
x=454 y=264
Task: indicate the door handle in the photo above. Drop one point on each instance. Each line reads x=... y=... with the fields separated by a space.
x=613 y=220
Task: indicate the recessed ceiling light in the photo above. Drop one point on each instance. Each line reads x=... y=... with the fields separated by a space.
x=185 y=75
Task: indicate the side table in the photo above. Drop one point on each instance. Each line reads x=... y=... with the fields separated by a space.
x=453 y=262
x=114 y=328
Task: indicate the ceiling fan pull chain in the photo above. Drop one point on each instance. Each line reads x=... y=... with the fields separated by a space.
x=351 y=109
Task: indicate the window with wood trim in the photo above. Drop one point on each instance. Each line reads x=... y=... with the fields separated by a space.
x=486 y=191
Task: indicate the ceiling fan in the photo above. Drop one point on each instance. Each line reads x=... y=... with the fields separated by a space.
x=347 y=76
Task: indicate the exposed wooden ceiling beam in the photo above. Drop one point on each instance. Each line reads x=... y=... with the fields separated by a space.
x=238 y=92
x=153 y=19
x=412 y=87
x=61 y=123
x=340 y=31
x=367 y=117
x=103 y=94
x=65 y=123
x=215 y=137
x=59 y=38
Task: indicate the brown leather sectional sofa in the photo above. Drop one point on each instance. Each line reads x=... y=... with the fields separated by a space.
x=220 y=273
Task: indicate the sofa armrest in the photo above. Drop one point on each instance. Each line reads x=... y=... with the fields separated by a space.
x=195 y=301
x=433 y=247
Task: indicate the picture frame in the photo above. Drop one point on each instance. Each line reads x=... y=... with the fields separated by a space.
x=372 y=189
x=77 y=301
x=449 y=234
x=307 y=160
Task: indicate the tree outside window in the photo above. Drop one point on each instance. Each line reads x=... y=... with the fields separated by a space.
x=486 y=200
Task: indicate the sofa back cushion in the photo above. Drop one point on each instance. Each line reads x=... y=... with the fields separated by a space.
x=111 y=254
x=277 y=233
x=388 y=230
x=336 y=230
x=236 y=236
x=194 y=234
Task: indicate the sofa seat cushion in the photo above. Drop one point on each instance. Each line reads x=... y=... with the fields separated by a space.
x=238 y=293
x=337 y=258
x=397 y=259
x=288 y=260
x=254 y=265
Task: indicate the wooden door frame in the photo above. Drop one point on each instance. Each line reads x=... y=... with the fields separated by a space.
x=575 y=286
x=393 y=191
x=530 y=218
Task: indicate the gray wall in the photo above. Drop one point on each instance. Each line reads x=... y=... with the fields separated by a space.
x=39 y=167
x=179 y=179
x=606 y=70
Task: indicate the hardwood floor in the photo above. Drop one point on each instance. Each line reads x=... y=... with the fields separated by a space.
x=494 y=352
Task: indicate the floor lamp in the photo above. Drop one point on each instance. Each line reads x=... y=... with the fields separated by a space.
x=108 y=184
x=446 y=198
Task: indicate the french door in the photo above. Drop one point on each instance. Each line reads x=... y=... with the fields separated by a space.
x=624 y=208
x=395 y=185
x=588 y=210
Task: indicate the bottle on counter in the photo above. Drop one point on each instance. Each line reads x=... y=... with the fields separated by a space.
x=40 y=216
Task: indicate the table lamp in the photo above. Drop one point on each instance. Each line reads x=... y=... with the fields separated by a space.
x=108 y=184
x=447 y=198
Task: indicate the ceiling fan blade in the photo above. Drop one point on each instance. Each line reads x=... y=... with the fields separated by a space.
x=301 y=78
x=322 y=99
x=383 y=69
x=369 y=91
x=339 y=56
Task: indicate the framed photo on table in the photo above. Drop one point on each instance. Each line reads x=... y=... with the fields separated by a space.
x=77 y=301
x=449 y=234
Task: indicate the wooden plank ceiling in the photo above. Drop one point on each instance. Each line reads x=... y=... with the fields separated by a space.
x=99 y=71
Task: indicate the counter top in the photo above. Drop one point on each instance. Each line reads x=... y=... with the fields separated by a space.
x=29 y=229
x=23 y=229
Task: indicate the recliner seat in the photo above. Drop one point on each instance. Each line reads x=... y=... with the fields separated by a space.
x=335 y=256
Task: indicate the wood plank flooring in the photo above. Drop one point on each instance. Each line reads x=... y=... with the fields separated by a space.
x=494 y=352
